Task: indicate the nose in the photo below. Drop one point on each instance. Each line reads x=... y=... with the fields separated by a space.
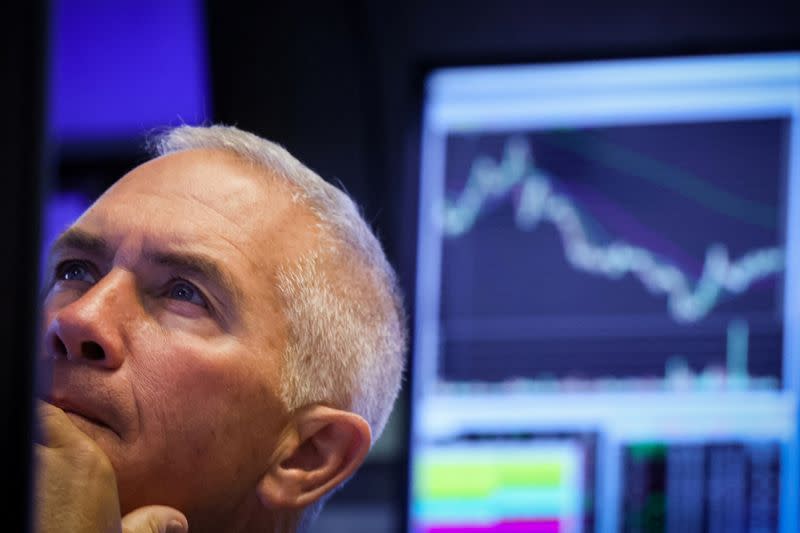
x=91 y=328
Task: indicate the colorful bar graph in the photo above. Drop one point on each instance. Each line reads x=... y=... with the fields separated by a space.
x=530 y=486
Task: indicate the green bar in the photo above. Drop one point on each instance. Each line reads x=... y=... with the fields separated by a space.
x=479 y=480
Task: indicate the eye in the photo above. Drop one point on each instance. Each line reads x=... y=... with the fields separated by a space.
x=185 y=291
x=74 y=271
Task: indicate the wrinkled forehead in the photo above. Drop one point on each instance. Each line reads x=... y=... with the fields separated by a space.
x=213 y=177
x=208 y=197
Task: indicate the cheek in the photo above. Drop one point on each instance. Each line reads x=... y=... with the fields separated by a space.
x=198 y=398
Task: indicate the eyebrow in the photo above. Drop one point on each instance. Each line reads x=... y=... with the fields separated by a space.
x=82 y=240
x=189 y=262
x=201 y=266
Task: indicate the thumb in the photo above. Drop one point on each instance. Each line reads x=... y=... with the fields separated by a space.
x=155 y=519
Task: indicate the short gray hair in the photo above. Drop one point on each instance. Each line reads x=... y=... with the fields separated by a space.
x=346 y=323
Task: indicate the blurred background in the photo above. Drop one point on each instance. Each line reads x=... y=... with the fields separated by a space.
x=593 y=207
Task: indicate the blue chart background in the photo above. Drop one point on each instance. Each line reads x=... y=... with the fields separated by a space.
x=512 y=306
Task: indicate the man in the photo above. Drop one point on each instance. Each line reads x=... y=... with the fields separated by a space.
x=225 y=340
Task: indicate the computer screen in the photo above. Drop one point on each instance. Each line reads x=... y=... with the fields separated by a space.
x=607 y=321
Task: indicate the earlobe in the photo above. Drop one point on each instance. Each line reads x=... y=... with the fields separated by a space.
x=323 y=450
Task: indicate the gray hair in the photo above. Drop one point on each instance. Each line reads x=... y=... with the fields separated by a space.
x=346 y=324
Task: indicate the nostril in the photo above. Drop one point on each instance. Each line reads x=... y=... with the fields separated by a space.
x=92 y=351
x=58 y=348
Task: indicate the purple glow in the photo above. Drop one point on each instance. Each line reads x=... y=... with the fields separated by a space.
x=121 y=68
x=60 y=211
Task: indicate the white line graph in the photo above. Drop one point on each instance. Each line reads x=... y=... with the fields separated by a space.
x=687 y=300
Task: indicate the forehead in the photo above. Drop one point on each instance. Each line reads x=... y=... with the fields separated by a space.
x=209 y=201
x=201 y=182
x=201 y=196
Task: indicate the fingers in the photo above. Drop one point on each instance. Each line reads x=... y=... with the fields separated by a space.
x=64 y=455
x=57 y=430
x=155 y=519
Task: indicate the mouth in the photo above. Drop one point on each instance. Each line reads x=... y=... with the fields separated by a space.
x=79 y=414
x=94 y=421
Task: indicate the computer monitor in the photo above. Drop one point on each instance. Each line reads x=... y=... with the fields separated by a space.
x=607 y=322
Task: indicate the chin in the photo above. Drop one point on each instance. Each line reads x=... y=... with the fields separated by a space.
x=95 y=430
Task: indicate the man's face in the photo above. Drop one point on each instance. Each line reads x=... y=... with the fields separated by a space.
x=164 y=330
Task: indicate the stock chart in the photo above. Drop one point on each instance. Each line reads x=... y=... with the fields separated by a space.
x=609 y=249
x=615 y=256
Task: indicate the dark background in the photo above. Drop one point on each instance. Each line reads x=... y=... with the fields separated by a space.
x=338 y=84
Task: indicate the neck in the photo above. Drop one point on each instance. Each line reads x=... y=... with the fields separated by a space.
x=253 y=517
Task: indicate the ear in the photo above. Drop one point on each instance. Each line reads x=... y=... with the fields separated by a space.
x=324 y=450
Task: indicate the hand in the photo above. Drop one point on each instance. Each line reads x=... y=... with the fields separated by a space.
x=76 y=488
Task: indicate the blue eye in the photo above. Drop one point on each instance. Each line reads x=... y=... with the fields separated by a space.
x=182 y=290
x=74 y=271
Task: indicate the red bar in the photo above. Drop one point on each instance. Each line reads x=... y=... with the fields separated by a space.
x=521 y=526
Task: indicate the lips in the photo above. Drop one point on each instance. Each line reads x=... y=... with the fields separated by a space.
x=83 y=410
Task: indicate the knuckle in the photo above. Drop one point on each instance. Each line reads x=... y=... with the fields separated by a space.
x=90 y=454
